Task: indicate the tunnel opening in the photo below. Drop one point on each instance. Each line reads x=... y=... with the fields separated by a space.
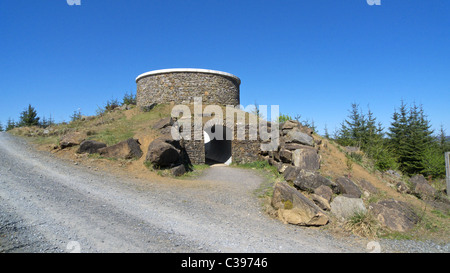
x=217 y=147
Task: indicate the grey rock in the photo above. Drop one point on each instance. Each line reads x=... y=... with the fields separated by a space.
x=309 y=181
x=163 y=123
x=291 y=172
x=285 y=156
x=178 y=170
x=127 y=149
x=290 y=124
x=162 y=154
x=148 y=108
x=307 y=159
x=345 y=207
x=325 y=192
x=90 y=147
x=395 y=215
x=72 y=139
x=346 y=186
x=295 y=146
x=296 y=136
x=422 y=188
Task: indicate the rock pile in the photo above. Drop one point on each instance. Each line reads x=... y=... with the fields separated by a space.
x=313 y=200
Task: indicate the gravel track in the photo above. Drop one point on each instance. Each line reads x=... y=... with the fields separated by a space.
x=46 y=203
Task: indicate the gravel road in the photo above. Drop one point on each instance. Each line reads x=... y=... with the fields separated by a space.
x=50 y=205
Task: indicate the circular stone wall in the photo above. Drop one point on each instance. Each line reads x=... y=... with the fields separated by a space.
x=181 y=85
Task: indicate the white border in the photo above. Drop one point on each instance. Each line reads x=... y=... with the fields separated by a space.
x=174 y=70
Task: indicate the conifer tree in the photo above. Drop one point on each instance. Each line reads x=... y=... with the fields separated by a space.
x=29 y=117
x=10 y=125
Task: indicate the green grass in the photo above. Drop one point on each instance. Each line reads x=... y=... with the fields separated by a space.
x=114 y=135
x=374 y=198
x=197 y=170
x=98 y=156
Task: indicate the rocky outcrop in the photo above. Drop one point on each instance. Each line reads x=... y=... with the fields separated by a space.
x=295 y=208
x=127 y=149
x=395 y=215
x=90 y=147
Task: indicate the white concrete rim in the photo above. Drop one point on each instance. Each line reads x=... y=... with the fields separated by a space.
x=191 y=70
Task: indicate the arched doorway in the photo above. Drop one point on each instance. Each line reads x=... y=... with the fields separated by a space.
x=217 y=149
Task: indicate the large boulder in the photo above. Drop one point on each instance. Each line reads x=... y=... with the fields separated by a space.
x=295 y=208
x=422 y=188
x=307 y=159
x=395 y=215
x=347 y=187
x=72 y=139
x=163 y=123
x=90 y=147
x=309 y=181
x=345 y=207
x=127 y=149
x=163 y=153
x=296 y=136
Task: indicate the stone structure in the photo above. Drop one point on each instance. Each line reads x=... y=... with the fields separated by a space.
x=181 y=85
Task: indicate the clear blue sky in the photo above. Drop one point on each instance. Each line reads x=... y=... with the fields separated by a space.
x=311 y=57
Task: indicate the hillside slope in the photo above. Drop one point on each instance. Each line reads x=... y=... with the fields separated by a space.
x=118 y=125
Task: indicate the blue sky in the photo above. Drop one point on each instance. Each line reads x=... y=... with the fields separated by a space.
x=310 y=57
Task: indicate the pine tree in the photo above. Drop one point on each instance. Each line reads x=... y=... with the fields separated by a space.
x=352 y=129
x=10 y=125
x=29 y=117
x=1 y=127
x=326 y=134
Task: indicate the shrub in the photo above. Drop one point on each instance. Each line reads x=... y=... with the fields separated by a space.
x=111 y=104
x=129 y=99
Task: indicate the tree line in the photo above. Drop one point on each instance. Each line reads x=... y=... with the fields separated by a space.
x=409 y=144
x=29 y=116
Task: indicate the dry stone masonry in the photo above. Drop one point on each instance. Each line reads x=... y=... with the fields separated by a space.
x=183 y=84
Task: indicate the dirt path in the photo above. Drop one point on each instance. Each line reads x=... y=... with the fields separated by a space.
x=46 y=203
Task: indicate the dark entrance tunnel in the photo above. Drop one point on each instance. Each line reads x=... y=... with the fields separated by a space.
x=217 y=150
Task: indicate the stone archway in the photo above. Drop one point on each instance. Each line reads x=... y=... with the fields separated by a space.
x=217 y=150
